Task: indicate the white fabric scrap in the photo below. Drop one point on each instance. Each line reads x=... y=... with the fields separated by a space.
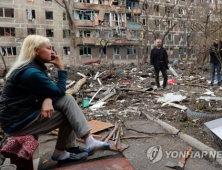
x=97 y=106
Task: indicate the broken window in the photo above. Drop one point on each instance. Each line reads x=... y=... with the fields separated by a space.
x=156 y=8
x=84 y=1
x=169 y=37
x=49 y=33
x=169 y=23
x=31 y=31
x=30 y=14
x=157 y=22
x=131 y=4
x=84 y=33
x=130 y=50
x=7 y=31
x=86 y=15
x=105 y=34
x=66 y=33
x=168 y=9
x=182 y=38
x=8 y=51
x=182 y=11
x=118 y=20
x=169 y=50
x=64 y=16
x=115 y=3
x=66 y=50
x=49 y=15
x=7 y=12
x=144 y=21
x=145 y=6
x=192 y=12
x=182 y=24
x=182 y=51
x=85 y=51
x=116 y=50
x=210 y=1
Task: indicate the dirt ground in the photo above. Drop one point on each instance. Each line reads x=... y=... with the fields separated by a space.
x=135 y=93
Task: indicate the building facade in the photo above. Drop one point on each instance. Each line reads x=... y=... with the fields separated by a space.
x=111 y=29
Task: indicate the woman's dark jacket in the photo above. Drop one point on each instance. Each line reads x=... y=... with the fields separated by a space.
x=24 y=92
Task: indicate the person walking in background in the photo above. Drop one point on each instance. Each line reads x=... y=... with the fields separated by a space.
x=159 y=60
x=215 y=61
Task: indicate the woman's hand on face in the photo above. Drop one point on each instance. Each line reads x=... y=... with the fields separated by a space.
x=57 y=61
x=47 y=108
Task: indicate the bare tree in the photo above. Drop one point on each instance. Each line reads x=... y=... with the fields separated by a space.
x=166 y=21
x=208 y=27
x=68 y=6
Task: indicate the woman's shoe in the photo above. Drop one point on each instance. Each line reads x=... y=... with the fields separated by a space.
x=78 y=149
x=74 y=158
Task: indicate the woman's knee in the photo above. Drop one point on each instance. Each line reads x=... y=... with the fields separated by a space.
x=65 y=101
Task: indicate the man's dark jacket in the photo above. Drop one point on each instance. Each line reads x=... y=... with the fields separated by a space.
x=215 y=53
x=154 y=58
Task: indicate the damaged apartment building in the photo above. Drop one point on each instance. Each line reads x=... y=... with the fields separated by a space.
x=109 y=29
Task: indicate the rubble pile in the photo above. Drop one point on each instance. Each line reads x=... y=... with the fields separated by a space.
x=122 y=92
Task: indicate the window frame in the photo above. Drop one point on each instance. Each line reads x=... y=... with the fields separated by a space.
x=6 y=52
x=47 y=16
x=28 y=30
x=4 y=15
x=52 y=31
x=116 y=50
x=9 y=33
x=66 y=33
x=130 y=50
x=66 y=51
x=86 y=50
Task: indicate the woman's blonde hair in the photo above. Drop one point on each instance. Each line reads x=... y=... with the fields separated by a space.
x=27 y=53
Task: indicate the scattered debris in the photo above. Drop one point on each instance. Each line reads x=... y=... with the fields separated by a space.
x=77 y=86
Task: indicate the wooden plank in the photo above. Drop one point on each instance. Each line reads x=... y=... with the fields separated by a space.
x=98 y=126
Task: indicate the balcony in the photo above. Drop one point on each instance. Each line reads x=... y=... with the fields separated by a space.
x=86 y=40
x=133 y=25
x=123 y=41
x=85 y=23
x=133 y=10
x=96 y=7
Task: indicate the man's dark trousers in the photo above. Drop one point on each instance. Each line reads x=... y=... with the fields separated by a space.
x=163 y=70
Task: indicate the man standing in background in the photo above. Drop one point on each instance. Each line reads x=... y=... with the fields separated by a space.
x=215 y=59
x=159 y=59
